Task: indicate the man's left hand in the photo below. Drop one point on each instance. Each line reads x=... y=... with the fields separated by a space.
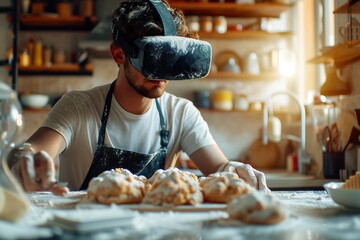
x=246 y=172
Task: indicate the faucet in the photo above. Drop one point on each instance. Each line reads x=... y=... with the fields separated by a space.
x=302 y=156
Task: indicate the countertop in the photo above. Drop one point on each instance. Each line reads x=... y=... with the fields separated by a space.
x=280 y=179
x=312 y=215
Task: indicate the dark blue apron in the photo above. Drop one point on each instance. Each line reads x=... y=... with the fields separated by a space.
x=107 y=158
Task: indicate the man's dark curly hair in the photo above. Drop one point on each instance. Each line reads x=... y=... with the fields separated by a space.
x=137 y=18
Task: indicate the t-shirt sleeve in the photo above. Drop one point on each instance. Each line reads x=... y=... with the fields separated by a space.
x=196 y=133
x=64 y=116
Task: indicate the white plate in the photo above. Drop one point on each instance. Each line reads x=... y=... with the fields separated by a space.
x=346 y=197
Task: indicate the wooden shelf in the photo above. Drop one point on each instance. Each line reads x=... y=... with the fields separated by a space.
x=211 y=110
x=265 y=9
x=57 y=69
x=56 y=23
x=246 y=34
x=344 y=8
x=269 y=76
x=339 y=55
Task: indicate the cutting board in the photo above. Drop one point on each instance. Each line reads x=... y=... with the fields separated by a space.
x=263 y=156
x=203 y=207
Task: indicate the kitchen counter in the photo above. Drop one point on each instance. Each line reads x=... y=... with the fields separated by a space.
x=312 y=215
x=279 y=179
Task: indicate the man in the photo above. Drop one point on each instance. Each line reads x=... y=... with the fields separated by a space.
x=132 y=122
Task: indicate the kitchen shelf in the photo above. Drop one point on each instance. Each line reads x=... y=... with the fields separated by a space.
x=4 y=62
x=57 y=69
x=246 y=34
x=267 y=76
x=265 y=9
x=7 y=9
x=55 y=23
x=211 y=110
x=344 y=8
x=339 y=55
x=29 y=109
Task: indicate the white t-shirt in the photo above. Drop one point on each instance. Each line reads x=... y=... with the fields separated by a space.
x=77 y=117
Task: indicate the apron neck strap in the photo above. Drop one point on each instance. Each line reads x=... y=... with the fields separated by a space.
x=164 y=133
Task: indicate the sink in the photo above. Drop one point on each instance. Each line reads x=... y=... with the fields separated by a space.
x=281 y=179
x=282 y=175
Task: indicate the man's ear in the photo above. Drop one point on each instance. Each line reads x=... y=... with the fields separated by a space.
x=117 y=53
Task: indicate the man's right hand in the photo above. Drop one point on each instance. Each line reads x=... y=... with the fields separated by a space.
x=34 y=171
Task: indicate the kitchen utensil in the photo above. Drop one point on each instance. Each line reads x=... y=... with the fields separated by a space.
x=333 y=162
x=326 y=138
x=330 y=139
x=354 y=137
x=346 y=121
x=357 y=112
x=335 y=138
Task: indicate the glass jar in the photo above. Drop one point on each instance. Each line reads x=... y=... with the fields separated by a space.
x=241 y=102
x=220 y=24
x=206 y=24
x=13 y=202
x=87 y=8
x=64 y=8
x=222 y=99
x=37 y=7
x=38 y=53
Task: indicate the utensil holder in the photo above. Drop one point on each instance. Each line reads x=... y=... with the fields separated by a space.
x=333 y=162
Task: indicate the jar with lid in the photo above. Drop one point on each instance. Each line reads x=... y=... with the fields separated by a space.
x=222 y=99
x=206 y=24
x=64 y=8
x=87 y=8
x=241 y=102
x=59 y=57
x=37 y=7
x=193 y=23
x=220 y=24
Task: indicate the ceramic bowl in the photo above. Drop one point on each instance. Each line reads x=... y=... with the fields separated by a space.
x=349 y=198
x=34 y=100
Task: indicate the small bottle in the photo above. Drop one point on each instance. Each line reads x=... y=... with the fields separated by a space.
x=206 y=24
x=220 y=24
x=38 y=53
x=290 y=155
x=30 y=48
x=47 y=56
x=24 y=58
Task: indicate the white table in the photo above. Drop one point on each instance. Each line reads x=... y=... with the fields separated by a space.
x=312 y=216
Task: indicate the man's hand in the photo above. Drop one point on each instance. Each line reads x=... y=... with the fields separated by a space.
x=34 y=171
x=250 y=175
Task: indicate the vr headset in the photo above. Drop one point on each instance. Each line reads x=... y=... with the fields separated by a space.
x=167 y=57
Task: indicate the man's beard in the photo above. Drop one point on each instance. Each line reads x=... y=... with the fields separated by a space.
x=142 y=90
